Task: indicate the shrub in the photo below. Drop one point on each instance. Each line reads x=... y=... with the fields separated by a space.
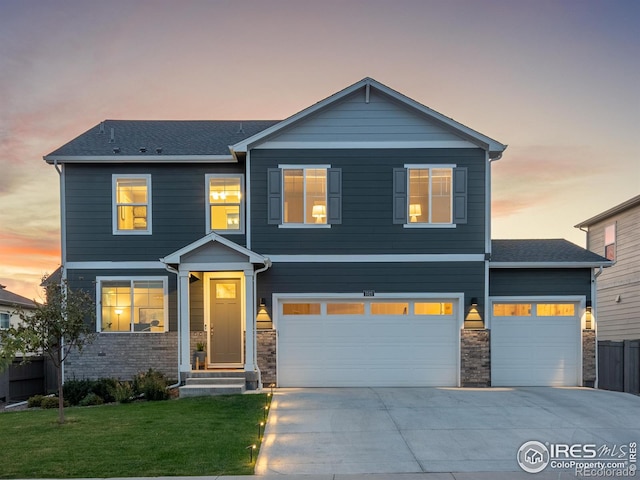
x=122 y=392
x=152 y=384
x=103 y=387
x=91 y=399
x=49 y=402
x=75 y=390
x=35 y=401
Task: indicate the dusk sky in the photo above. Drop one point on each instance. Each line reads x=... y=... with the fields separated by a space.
x=558 y=81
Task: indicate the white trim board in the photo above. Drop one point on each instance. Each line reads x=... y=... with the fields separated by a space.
x=393 y=145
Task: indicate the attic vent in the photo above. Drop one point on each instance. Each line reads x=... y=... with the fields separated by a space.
x=113 y=135
x=240 y=130
x=158 y=150
x=143 y=149
x=116 y=150
x=101 y=130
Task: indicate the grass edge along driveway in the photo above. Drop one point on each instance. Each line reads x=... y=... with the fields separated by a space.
x=184 y=437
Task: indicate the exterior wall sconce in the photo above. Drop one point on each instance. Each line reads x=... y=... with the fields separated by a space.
x=262 y=315
x=474 y=301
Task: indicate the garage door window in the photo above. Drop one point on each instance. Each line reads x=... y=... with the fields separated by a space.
x=345 y=308
x=433 y=308
x=389 y=308
x=511 y=309
x=556 y=309
x=301 y=309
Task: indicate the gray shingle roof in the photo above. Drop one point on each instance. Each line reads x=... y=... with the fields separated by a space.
x=172 y=137
x=11 y=299
x=545 y=251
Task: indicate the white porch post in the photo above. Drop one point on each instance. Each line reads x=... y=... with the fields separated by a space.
x=250 y=328
x=184 y=341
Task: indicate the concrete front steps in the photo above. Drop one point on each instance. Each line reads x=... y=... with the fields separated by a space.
x=212 y=382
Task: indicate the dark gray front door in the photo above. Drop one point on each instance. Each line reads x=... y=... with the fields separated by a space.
x=225 y=342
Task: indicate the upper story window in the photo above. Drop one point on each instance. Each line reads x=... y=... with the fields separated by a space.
x=429 y=195
x=132 y=304
x=301 y=196
x=131 y=204
x=225 y=212
x=610 y=242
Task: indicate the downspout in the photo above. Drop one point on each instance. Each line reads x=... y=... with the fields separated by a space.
x=487 y=247
x=267 y=265
x=173 y=270
x=594 y=319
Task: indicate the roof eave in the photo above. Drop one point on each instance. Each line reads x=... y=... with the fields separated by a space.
x=632 y=202
x=52 y=159
x=550 y=264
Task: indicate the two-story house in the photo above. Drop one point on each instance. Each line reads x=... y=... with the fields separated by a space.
x=615 y=234
x=347 y=245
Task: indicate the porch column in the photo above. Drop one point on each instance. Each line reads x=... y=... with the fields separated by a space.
x=250 y=323
x=184 y=336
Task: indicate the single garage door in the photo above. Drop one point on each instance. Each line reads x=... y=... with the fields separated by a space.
x=368 y=342
x=535 y=344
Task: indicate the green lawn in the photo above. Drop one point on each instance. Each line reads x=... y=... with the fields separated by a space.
x=193 y=436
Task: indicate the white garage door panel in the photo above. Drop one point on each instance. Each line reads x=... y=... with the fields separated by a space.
x=535 y=351
x=365 y=350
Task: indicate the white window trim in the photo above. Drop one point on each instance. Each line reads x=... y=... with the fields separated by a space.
x=429 y=166
x=304 y=169
x=208 y=228
x=114 y=204
x=165 y=294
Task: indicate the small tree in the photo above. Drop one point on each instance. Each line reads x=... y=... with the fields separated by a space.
x=53 y=329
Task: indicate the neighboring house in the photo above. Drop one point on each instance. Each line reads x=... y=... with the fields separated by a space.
x=615 y=234
x=9 y=304
x=348 y=245
x=16 y=382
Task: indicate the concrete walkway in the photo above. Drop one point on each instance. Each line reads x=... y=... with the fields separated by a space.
x=333 y=432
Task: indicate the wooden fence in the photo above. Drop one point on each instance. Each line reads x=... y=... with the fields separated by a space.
x=21 y=381
x=619 y=365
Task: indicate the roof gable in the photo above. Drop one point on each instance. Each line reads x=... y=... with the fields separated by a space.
x=213 y=248
x=10 y=299
x=370 y=110
x=631 y=203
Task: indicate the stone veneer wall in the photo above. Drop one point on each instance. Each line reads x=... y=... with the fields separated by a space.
x=266 y=344
x=124 y=355
x=588 y=358
x=475 y=358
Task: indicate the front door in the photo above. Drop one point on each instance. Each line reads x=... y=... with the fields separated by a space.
x=225 y=333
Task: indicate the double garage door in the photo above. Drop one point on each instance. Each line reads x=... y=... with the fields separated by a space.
x=350 y=342
x=535 y=343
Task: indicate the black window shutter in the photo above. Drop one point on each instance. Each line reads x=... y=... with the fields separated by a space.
x=274 y=196
x=460 y=195
x=399 y=195
x=334 y=196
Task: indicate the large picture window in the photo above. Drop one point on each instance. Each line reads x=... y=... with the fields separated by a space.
x=225 y=198
x=132 y=305
x=132 y=204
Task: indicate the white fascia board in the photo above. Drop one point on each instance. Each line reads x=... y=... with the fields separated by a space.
x=361 y=145
x=377 y=258
x=549 y=264
x=174 y=258
x=51 y=159
x=115 y=265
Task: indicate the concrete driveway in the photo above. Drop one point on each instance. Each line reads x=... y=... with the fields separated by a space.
x=402 y=430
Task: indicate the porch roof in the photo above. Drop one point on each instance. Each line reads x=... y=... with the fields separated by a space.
x=199 y=249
